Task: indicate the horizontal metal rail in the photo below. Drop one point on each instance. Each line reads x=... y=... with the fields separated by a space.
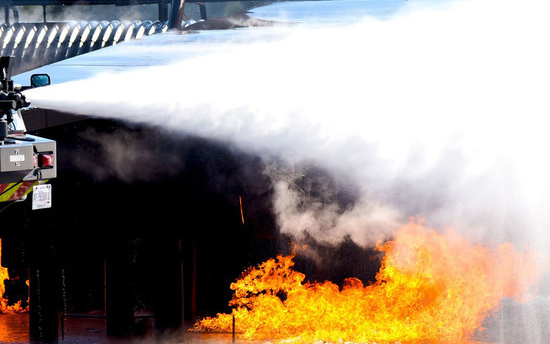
x=12 y=3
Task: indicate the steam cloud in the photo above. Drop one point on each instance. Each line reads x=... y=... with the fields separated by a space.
x=438 y=111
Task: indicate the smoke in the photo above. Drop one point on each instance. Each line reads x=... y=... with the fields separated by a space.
x=305 y=216
x=129 y=155
x=437 y=111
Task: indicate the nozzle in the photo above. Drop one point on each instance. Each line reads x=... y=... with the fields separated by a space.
x=10 y=96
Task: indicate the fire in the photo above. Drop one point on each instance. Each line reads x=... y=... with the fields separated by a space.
x=4 y=307
x=432 y=287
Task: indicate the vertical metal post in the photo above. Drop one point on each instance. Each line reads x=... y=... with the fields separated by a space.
x=163 y=12
x=44 y=281
x=43 y=317
x=15 y=14
x=202 y=9
x=182 y=273
x=7 y=14
x=194 y=284
x=176 y=14
x=105 y=306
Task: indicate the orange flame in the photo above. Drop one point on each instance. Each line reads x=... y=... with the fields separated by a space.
x=431 y=288
x=241 y=204
x=4 y=307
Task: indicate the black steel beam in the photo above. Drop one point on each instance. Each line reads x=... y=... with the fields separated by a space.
x=79 y=2
x=176 y=14
x=43 y=318
x=44 y=279
x=95 y=2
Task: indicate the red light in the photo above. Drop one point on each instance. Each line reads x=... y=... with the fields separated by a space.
x=45 y=160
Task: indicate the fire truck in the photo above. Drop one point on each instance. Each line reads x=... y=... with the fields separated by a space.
x=27 y=162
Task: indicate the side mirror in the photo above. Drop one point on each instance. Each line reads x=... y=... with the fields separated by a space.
x=39 y=80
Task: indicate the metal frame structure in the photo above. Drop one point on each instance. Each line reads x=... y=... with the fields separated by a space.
x=170 y=11
x=171 y=18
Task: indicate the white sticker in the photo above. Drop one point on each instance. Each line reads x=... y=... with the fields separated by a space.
x=42 y=196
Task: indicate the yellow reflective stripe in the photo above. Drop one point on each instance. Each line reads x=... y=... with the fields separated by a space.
x=8 y=191
x=15 y=191
x=22 y=190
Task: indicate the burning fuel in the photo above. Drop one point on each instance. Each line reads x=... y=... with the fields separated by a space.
x=4 y=306
x=431 y=287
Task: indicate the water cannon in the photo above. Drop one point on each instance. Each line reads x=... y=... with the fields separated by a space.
x=11 y=98
x=26 y=161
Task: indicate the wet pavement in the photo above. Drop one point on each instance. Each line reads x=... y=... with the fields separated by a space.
x=514 y=324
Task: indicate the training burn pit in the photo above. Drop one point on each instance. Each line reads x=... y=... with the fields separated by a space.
x=163 y=204
x=431 y=288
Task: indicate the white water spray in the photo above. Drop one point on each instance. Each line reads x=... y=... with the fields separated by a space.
x=436 y=111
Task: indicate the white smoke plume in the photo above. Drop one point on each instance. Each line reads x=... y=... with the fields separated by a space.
x=438 y=111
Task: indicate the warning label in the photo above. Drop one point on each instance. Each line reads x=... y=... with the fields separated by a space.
x=42 y=196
